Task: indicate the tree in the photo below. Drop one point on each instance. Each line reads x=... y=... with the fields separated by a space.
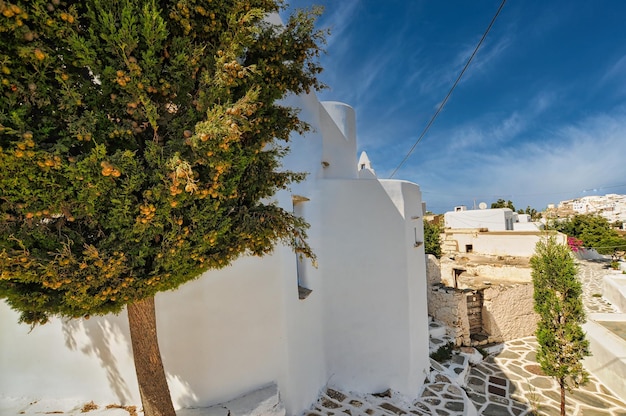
x=595 y=232
x=501 y=203
x=558 y=301
x=432 y=238
x=140 y=141
x=534 y=215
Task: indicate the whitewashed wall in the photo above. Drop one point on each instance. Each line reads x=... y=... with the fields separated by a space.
x=375 y=289
x=363 y=327
x=87 y=359
x=497 y=219
x=499 y=243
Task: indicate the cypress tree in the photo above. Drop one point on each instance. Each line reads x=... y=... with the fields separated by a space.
x=558 y=301
x=140 y=141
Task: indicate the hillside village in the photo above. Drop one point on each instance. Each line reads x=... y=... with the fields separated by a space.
x=609 y=206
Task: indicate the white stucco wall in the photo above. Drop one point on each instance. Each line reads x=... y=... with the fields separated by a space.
x=407 y=198
x=223 y=335
x=337 y=126
x=502 y=243
x=497 y=219
x=376 y=327
x=220 y=336
x=87 y=359
x=608 y=353
x=614 y=290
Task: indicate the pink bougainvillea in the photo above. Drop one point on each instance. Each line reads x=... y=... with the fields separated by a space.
x=575 y=244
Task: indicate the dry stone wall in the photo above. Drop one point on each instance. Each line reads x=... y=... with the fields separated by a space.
x=507 y=311
x=433 y=270
x=445 y=304
x=448 y=305
x=475 y=273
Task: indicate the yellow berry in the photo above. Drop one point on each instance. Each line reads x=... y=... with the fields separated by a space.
x=39 y=55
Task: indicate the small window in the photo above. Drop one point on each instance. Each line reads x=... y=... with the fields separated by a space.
x=469 y=248
x=301 y=264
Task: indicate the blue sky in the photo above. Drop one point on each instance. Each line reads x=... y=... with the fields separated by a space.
x=539 y=116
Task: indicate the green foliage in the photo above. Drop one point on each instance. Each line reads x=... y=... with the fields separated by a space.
x=432 y=238
x=443 y=353
x=501 y=203
x=534 y=215
x=139 y=143
x=595 y=232
x=558 y=301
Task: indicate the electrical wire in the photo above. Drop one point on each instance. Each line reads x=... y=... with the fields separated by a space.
x=600 y=248
x=445 y=100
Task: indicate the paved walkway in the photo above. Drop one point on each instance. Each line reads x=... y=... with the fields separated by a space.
x=590 y=274
x=508 y=382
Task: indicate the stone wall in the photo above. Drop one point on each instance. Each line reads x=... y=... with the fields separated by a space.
x=477 y=272
x=433 y=270
x=508 y=312
x=446 y=304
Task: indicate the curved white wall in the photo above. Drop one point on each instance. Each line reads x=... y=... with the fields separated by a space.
x=338 y=127
x=376 y=335
x=344 y=117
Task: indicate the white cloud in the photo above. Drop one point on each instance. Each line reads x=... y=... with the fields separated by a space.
x=338 y=20
x=436 y=78
x=585 y=155
x=616 y=70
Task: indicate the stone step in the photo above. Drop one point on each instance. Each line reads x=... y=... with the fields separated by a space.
x=436 y=330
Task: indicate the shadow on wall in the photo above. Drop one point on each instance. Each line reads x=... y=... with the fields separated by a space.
x=181 y=392
x=101 y=338
x=108 y=340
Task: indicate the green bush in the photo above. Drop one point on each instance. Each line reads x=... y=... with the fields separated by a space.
x=443 y=353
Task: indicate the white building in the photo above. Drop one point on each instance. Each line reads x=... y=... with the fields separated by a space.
x=610 y=206
x=496 y=231
x=363 y=326
x=495 y=219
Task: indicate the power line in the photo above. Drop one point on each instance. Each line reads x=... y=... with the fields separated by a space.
x=596 y=248
x=445 y=100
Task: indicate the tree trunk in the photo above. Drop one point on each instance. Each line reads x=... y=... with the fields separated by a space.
x=155 y=393
x=562 y=384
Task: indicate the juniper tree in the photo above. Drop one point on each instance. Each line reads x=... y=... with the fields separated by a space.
x=432 y=238
x=140 y=141
x=558 y=301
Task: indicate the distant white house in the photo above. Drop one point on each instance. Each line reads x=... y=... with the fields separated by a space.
x=495 y=219
x=358 y=321
x=496 y=231
x=523 y=222
x=610 y=206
